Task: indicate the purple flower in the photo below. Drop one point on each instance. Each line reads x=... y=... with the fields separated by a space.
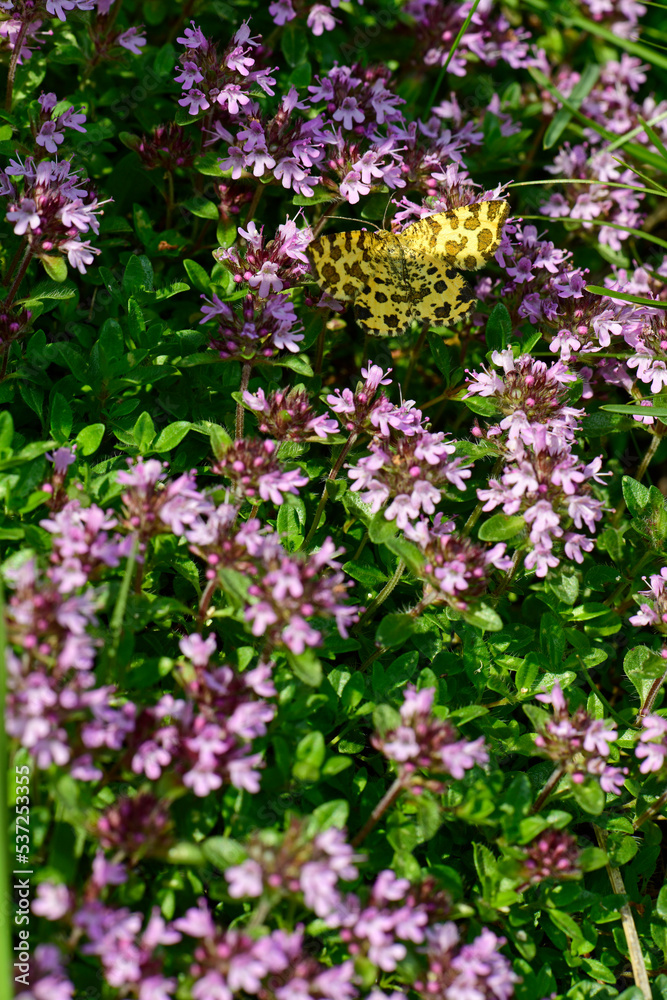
x=652 y=748
x=133 y=40
x=426 y=742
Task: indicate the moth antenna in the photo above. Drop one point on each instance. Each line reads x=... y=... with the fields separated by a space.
x=348 y=219
x=385 y=211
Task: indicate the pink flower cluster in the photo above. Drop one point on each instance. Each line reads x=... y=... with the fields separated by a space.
x=652 y=748
x=490 y=39
x=253 y=468
x=52 y=208
x=653 y=610
x=207 y=77
x=579 y=743
x=310 y=867
x=254 y=328
x=543 y=480
x=407 y=464
x=269 y=266
x=423 y=741
x=457 y=569
x=288 y=415
x=207 y=739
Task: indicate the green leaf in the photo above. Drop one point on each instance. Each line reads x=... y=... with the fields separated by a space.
x=220 y=440
x=501 y=527
x=61 y=418
x=186 y=853
x=592 y=858
x=55 y=267
x=225 y=234
x=643 y=666
x=309 y=757
x=294 y=43
x=635 y=495
x=589 y=796
x=53 y=290
x=380 y=530
x=223 y=852
x=333 y=813
x=483 y=617
x=6 y=431
x=138 y=276
x=562 y=118
x=202 y=208
x=171 y=435
x=394 y=630
x=198 y=276
x=498 y=328
x=306 y=666
x=143 y=431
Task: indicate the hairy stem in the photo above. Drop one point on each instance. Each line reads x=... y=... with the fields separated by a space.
x=240 y=408
x=20 y=275
x=382 y=596
x=13 y=64
x=548 y=788
x=259 y=191
x=634 y=948
x=416 y=351
x=332 y=475
x=385 y=802
x=650 y=698
x=651 y=811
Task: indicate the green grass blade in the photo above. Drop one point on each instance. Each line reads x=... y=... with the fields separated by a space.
x=567 y=15
x=638 y=411
x=601 y=222
x=625 y=296
x=563 y=117
x=455 y=45
x=644 y=155
x=585 y=180
x=7 y=908
x=637 y=130
x=653 y=135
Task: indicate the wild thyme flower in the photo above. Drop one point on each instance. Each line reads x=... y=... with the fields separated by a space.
x=288 y=415
x=542 y=478
x=208 y=740
x=168 y=146
x=51 y=132
x=152 y=506
x=368 y=409
x=47 y=976
x=552 y=854
x=475 y=970
x=423 y=741
x=290 y=589
x=129 y=954
x=296 y=863
x=269 y=266
x=491 y=38
x=253 y=468
x=254 y=328
x=653 y=611
x=595 y=202
x=457 y=569
x=83 y=545
x=579 y=743
x=652 y=748
x=531 y=394
x=135 y=827
x=49 y=205
x=409 y=471
x=209 y=78
x=230 y=962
